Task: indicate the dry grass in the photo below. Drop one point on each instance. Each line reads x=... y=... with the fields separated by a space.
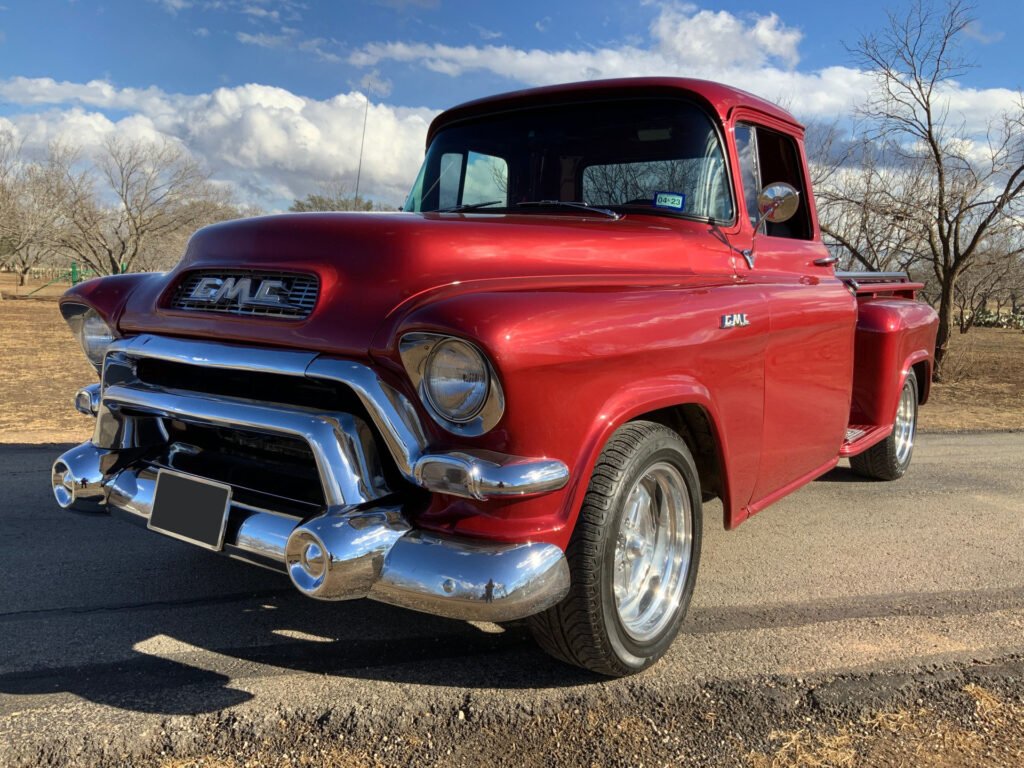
x=41 y=366
x=983 y=384
x=806 y=749
x=40 y=288
x=919 y=739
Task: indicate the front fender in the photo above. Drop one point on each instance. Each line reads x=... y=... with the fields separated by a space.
x=640 y=398
x=108 y=295
x=576 y=363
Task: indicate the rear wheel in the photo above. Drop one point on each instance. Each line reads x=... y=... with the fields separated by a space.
x=889 y=459
x=633 y=556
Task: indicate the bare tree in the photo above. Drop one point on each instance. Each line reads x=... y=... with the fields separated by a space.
x=864 y=203
x=136 y=194
x=332 y=196
x=162 y=252
x=977 y=287
x=31 y=198
x=972 y=188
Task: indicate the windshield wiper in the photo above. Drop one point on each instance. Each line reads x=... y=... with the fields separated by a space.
x=569 y=204
x=469 y=206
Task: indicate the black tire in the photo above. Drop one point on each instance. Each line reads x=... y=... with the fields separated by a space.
x=889 y=459
x=585 y=628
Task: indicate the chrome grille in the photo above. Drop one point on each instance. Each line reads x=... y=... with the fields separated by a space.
x=299 y=294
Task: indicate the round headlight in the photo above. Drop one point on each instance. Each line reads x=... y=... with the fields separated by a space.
x=95 y=336
x=456 y=380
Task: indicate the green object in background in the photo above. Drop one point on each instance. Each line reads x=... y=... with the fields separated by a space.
x=75 y=275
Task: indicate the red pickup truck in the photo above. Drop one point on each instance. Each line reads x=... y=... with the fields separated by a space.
x=603 y=304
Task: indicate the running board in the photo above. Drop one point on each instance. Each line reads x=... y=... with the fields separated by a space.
x=860 y=437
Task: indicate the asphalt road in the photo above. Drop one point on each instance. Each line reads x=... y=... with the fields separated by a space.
x=109 y=633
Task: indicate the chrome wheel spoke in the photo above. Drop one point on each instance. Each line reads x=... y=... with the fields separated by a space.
x=652 y=553
x=904 y=428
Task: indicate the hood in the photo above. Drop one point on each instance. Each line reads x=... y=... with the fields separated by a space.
x=371 y=266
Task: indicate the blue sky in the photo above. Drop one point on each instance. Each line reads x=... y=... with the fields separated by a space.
x=268 y=92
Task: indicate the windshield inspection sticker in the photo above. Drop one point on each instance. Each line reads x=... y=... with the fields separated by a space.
x=673 y=200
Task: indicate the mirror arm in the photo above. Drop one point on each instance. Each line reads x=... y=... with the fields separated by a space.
x=748 y=253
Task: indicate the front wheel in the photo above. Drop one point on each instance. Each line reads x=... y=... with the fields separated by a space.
x=633 y=556
x=889 y=459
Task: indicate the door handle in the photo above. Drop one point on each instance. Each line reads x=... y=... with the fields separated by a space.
x=826 y=261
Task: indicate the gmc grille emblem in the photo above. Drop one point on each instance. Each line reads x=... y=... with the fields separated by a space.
x=736 y=320
x=238 y=290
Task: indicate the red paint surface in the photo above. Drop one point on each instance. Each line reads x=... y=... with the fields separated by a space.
x=589 y=322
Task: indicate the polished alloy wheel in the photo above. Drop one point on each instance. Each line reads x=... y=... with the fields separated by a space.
x=906 y=421
x=652 y=552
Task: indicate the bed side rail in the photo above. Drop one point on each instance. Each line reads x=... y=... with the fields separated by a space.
x=877 y=283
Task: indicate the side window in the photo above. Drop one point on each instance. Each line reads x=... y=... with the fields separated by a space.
x=449 y=180
x=767 y=157
x=471 y=179
x=486 y=179
x=750 y=178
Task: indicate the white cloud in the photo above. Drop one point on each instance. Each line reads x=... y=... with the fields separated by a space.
x=275 y=145
x=485 y=33
x=974 y=31
x=271 y=144
x=288 y=38
x=173 y=6
x=263 y=40
x=262 y=10
x=259 y=12
x=374 y=83
x=201 y=32
x=758 y=53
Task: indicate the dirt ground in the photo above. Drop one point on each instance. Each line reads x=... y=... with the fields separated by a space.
x=41 y=367
x=38 y=288
x=983 y=386
x=946 y=725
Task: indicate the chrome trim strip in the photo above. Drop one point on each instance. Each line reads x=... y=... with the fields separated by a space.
x=470 y=580
x=344 y=462
x=390 y=410
x=77 y=478
x=213 y=354
x=485 y=474
x=87 y=400
x=415 y=349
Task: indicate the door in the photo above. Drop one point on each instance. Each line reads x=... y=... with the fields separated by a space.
x=809 y=356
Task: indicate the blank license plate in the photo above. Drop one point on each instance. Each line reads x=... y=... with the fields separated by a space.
x=189 y=508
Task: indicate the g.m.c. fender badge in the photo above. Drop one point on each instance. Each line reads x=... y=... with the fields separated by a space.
x=735 y=320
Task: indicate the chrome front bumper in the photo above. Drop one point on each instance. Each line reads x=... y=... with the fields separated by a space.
x=362 y=543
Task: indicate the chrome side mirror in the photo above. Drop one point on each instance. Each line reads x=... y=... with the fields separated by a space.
x=776 y=203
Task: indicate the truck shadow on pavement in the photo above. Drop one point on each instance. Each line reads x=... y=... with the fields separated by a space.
x=141 y=622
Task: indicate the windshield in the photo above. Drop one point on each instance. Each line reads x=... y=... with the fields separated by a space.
x=654 y=155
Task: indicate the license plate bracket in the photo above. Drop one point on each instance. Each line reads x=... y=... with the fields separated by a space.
x=190 y=508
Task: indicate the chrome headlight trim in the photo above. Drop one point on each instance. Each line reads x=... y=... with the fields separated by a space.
x=417 y=350
x=91 y=330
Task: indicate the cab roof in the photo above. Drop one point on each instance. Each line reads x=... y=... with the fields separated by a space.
x=719 y=98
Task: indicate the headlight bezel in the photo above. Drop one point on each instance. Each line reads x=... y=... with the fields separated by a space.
x=417 y=349
x=92 y=331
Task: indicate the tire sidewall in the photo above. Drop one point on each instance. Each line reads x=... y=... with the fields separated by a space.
x=631 y=653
